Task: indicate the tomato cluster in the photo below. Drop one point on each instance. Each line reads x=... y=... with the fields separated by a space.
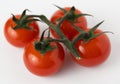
x=44 y=56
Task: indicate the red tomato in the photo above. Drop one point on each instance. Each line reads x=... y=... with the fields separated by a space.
x=20 y=37
x=43 y=65
x=95 y=51
x=66 y=26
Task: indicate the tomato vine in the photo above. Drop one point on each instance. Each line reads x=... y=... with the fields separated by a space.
x=70 y=15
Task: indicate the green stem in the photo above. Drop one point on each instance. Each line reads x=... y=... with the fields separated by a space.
x=72 y=49
x=56 y=40
x=62 y=19
x=63 y=38
x=80 y=36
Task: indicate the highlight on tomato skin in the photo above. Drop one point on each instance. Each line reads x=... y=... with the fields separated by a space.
x=20 y=37
x=43 y=64
x=67 y=27
x=94 y=52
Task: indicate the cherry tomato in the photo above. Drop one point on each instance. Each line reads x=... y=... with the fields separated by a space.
x=95 y=51
x=66 y=27
x=20 y=37
x=43 y=64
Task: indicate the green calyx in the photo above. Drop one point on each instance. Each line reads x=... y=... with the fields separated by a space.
x=86 y=36
x=24 y=21
x=72 y=17
x=90 y=34
x=43 y=45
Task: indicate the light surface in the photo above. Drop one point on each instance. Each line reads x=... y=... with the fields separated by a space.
x=12 y=69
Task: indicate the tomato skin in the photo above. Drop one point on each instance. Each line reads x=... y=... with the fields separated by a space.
x=43 y=65
x=20 y=37
x=94 y=52
x=66 y=26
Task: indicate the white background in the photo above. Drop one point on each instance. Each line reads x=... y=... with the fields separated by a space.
x=12 y=69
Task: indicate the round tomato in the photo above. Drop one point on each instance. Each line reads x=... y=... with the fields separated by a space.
x=66 y=27
x=95 y=51
x=43 y=64
x=20 y=37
